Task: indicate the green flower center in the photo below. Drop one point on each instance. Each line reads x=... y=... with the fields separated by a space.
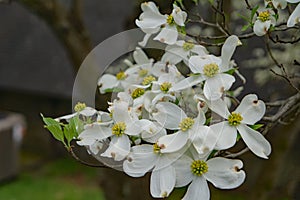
x=188 y=46
x=79 y=107
x=137 y=93
x=170 y=20
x=121 y=76
x=234 y=119
x=148 y=79
x=165 y=86
x=186 y=124
x=211 y=69
x=264 y=16
x=199 y=167
x=118 y=129
x=143 y=72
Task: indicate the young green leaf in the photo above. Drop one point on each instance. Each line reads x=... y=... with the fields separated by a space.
x=54 y=127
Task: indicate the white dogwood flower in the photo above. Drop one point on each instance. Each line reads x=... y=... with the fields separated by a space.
x=223 y=173
x=247 y=113
x=263 y=23
x=211 y=69
x=151 y=21
x=188 y=130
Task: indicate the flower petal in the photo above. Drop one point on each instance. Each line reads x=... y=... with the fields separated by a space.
x=178 y=15
x=187 y=82
x=173 y=142
x=251 y=109
x=227 y=135
x=140 y=160
x=225 y=173
x=256 y=142
x=167 y=35
x=162 y=182
x=214 y=87
x=261 y=28
x=220 y=107
x=183 y=171
x=204 y=140
x=227 y=51
x=294 y=17
x=198 y=189
x=107 y=81
x=92 y=133
x=169 y=115
x=118 y=149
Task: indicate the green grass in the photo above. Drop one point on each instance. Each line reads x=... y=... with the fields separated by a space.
x=61 y=180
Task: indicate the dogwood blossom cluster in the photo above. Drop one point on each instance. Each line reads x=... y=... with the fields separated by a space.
x=171 y=124
x=268 y=16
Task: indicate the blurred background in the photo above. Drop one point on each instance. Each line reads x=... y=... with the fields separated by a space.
x=42 y=45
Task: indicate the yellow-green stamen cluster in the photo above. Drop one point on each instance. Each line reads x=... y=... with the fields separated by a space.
x=264 y=16
x=170 y=20
x=148 y=79
x=118 y=129
x=234 y=119
x=199 y=167
x=156 y=148
x=165 y=86
x=211 y=69
x=121 y=76
x=188 y=46
x=186 y=124
x=79 y=107
x=137 y=93
x=143 y=72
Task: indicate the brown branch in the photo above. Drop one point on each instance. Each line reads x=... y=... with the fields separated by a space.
x=82 y=161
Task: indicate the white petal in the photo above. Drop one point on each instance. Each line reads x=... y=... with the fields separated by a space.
x=251 y=109
x=107 y=81
x=173 y=57
x=227 y=51
x=167 y=35
x=261 y=28
x=173 y=142
x=256 y=142
x=227 y=135
x=92 y=133
x=162 y=182
x=140 y=160
x=169 y=115
x=183 y=171
x=292 y=1
x=137 y=127
x=118 y=149
x=198 y=189
x=225 y=173
x=294 y=17
x=214 y=87
x=151 y=17
x=205 y=140
x=220 y=107
x=200 y=50
x=140 y=57
x=179 y=15
x=145 y=39
x=196 y=63
x=187 y=82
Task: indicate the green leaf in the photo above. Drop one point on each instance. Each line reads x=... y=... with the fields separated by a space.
x=245 y=18
x=245 y=27
x=113 y=90
x=70 y=131
x=231 y=71
x=54 y=127
x=256 y=126
x=181 y=29
x=253 y=12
